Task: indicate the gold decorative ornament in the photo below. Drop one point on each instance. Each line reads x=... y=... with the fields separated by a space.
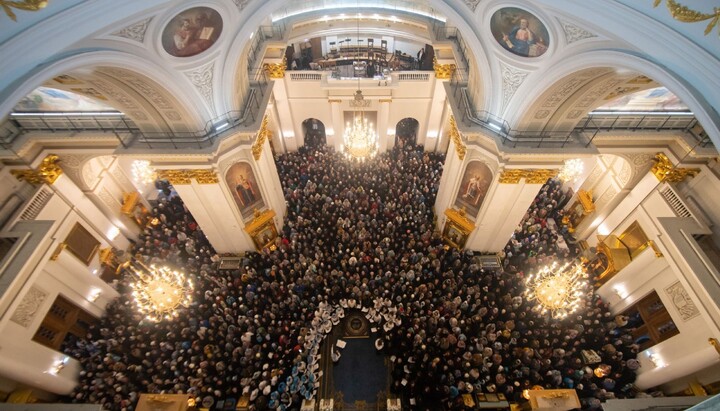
x=586 y=200
x=263 y=134
x=262 y=229
x=184 y=176
x=443 y=71
x=457 y=228
x=27 y=5
x=665 y=171
x=175 y=177
x=205 y=176
x=47 y=172
x=275 y=70
x=686 y=15
x=531 y=175
x=456 y=138
x=714 y=342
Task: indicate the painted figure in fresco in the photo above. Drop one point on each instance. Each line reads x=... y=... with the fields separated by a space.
x=520 y=39
x=245 y=191
x=474 y=190
x=193 y=36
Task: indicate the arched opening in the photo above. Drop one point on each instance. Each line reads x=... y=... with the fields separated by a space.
x=406 y=131
x=314 y=131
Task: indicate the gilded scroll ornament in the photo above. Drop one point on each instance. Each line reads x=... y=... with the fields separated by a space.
x=263 y=134
x=460 y=147
x=47 y=172
x=443 y=71
x=27 y=5
x=531 y=175
x=275 y=70
x=184 y=177
x=686 y=15
x=665 y=171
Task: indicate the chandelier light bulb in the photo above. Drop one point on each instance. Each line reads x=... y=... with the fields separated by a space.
x=572 y=169
x=142 y=172
x=159 y=292
x=360 y=141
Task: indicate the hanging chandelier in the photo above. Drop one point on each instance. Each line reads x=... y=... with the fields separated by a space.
x=571 y=170
x=360 y=141
x=159 y=291
x=557 y=291
x=142 y=172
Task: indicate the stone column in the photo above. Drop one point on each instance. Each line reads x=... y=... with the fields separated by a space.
x=382 y=125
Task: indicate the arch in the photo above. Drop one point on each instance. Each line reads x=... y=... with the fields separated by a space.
x=534 y=86
x=314 y=132
x=406 y=131
x=116 y=69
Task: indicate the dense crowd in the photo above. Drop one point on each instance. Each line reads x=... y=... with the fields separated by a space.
x=356 y=235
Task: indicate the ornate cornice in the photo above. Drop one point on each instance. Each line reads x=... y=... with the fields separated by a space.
x=263 y=134
x=665 y=171
x=275 y=70
x=456 y=138
x=184 y=176
x=531 y=175
x=47 y=172
x=443 y=71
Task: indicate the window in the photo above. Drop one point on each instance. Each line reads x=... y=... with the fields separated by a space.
x=64 y=324
x=651 y=322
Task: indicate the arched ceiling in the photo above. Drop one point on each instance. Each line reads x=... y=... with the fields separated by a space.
x=594 y=50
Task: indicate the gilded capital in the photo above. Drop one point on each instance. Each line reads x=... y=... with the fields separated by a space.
x=665 y=171
x=443 y=71
x=184 y=176
x=47 y=172
x=531 y=175
x=205 y=176
x=275 y=70
x=456 y=138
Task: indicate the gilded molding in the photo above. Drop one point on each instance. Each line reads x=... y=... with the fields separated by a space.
x=460 y=218
x=531 y=175
x=276 y=70
x=443 y=71
x=263 y=134
x=686 y=15
x=47 y=172
x=456 y=138
x=184 y=176
x=205 y=176
x=27 y=5
x=665 y=171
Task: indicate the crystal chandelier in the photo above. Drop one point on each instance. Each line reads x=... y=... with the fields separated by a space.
x=360 y=141
x=158 y=292
x=557 y=291
x=142 y=172
x=571 y=170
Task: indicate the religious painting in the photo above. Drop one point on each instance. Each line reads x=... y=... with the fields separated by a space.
x=81 y=243
x=192 y=32
x=473 y=188
x=519 y=32
x=243 y=185
x=51 y=99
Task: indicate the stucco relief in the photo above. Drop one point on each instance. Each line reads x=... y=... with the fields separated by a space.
x=598 y=92
x=135 y=31
x=564 y=90
x=682 y=301
x=605 y=199
x=641 y=164
x=625 y=174
x=592 y=179
x=117 y=95
x=202 y=78
x=511 y=78
x=72 y=165
x=472 y=4
x=173 y=115
x=574 y=33
x=28 y=308
x=241 y=4
x=106 y=196
x=141 y=86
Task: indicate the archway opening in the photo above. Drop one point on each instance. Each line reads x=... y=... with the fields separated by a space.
x=406 y=131
x=314 y=131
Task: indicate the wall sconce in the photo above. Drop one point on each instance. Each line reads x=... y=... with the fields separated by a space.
x=94 y=294
x=656 y=360
x=620 y=291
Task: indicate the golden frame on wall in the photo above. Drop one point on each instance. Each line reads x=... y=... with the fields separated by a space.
x=457 y=228
x=81 y=243
x=262 y=230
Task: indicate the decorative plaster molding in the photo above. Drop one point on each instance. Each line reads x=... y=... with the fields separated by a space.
x=682 y=301
x=687 y=15
x=531 y=175
x=241 y=4
x=135 y=31
x=472 y=4
x=574 y=33
x=664 y=170
x=184 y=176
x=511 y=78
x=28 y=307
x=202 y=78
x=456 y=138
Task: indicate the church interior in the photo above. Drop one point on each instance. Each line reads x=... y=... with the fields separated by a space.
x=360 y=205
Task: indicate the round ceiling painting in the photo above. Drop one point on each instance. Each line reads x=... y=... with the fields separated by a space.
x=192 y=32
x=519 y=32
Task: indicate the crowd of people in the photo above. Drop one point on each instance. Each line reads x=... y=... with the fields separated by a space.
x=355 y=235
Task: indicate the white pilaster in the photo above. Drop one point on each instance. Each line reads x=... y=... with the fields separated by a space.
x=337 y=124
x=382 y=125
